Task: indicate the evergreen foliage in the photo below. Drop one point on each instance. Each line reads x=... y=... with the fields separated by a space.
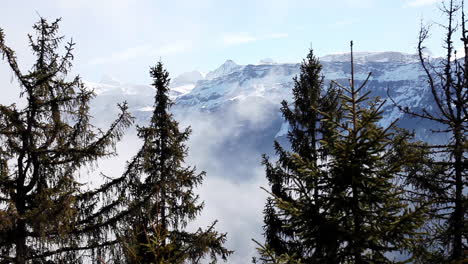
x=269 y=256
x=346 y=207
x=298 y=177
x=46 y=216
x=367 y=161
x=163 y=188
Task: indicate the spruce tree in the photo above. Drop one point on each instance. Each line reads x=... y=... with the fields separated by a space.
x=340 y=202
x=366 y=163
x=298 y=174
x=163 y=187
x=46 y=215
x=446 y=186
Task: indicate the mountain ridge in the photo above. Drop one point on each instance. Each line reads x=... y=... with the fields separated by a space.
x=231 y=84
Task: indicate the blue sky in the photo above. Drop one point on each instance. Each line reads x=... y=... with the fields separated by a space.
x=122 y=38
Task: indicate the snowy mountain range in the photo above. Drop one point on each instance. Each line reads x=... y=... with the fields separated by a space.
x=234 y=115
x=242 y=101
x=266 y=84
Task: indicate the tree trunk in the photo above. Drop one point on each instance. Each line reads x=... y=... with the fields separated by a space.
x=459 y=210
x=20 y=243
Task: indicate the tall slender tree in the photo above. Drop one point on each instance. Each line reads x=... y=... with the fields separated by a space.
x=298 y=175
x=448 y=83
x=347 y=206
x=366 y=162
x=164 y=189
x=45 y=214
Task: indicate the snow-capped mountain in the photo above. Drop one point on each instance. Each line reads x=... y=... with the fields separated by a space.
x=241 y=102
x=232 y=87
x=234 y=115
x=398 y=73
x=401 y=73
x=271 y=82
x=226 y=68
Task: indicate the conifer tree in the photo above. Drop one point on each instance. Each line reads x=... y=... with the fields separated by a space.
x=366 y=162
x=288 y=180
x=268 y=256
x=359 y=214
x=446 y=186
x=46 y=216
x=163 y=187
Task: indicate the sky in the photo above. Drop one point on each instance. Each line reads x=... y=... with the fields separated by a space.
x=123 y=38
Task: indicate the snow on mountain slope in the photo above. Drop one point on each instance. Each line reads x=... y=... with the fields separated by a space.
x=226 y=68
x=109 y=85
x=400 y=73
x=181 y=90
x=184 y=83
x=273 y=81
x=270 y=83
x=140 y=98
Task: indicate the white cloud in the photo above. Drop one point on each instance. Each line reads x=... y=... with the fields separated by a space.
x=238 y=207
x=143 y=50
x=417 y=3
x=230 y=39
x=231 y=193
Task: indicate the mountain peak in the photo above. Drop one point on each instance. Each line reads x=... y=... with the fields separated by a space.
x=229 y=62
x=229 y=66
x=107 y=79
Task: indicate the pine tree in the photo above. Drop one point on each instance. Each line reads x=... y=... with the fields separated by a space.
x=163 y=187
x=364 y=200
x=46 y=216
x=338 y=201
x=298 y=175
x=446 y=186
x=269 y=256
